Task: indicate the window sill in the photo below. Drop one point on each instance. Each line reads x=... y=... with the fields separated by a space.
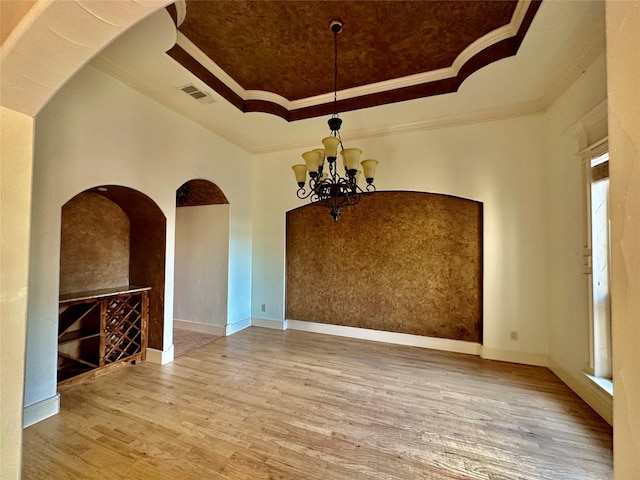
x=604 y=384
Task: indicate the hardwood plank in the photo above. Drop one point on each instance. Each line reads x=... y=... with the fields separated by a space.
x=266 y=404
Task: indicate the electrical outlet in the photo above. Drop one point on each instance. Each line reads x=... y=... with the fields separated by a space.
x=513 y=335
x=263 y=308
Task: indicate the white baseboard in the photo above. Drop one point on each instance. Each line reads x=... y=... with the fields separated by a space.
x=514 y=356
x=596 y=398
x=236 y=327
x=457 y=346
x=39 y=411
x=160 y=357
x=268 y=323
x=217 y=330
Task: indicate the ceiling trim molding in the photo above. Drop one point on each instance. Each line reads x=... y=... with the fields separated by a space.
x=496 y=45
x=590 y=131
x=589 y=51
x=181 y=11
x=488 y=40
x=174 y=101
x=488 y=115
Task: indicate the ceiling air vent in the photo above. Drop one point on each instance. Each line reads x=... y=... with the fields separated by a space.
x=195 y=92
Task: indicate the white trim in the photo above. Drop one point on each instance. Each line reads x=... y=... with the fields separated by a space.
x=448 y=345
x=269 y=323
x=604 y=384
x=198 y=55
x=590 y=130
x=218 y=330
x=591 y=135
x=595 y=150
x=446 y=121
x=237 y=326
x=173 y=101
x=491 y=38
x=160 y=357
x=38 y=411
x=585 y=389
x=514 y=356
x=181 y=11
x=588 y=53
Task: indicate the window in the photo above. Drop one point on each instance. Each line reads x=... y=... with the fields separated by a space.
x=590 y=132
x=600 y=295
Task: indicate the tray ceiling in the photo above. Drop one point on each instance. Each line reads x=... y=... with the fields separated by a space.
x=277 y=56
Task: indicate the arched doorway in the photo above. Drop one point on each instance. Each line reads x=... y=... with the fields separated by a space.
x=201 y=265
x=113 y=238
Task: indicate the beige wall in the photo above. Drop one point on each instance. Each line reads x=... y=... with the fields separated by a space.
x=202 y=264
x=16 y=152
x=25 y=49
x=623 y=51
x=626 y=336
x=499 y=163
x=11 y=12
x=568 y=287
x=98 y=131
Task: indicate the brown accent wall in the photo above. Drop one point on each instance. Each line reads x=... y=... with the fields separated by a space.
x=404 y=262
x=199 y=192
x=148 y=252
x=112 y=238
x=94 y=244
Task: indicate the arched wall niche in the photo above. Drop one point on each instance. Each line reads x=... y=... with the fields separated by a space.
x=199 y=192
x=201 y=278
x=398 y=261
x=113 y=236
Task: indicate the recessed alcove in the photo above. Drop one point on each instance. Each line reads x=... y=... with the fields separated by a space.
x=405 y=262
x=201 y=264
x=112 y=259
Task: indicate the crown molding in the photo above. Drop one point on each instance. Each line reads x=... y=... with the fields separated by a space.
x=488 y=40
x=492 y=38
x=174 y=101
x=498 y=44
x=589 y=51
x=488 y=115
x=181 y=11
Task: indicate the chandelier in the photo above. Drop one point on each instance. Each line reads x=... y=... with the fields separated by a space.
x=326 y=186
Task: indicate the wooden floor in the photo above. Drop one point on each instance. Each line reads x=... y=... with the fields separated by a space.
x=185 y=340
x=267 y=404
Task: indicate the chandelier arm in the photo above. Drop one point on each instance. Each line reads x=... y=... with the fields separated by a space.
x=303 y=194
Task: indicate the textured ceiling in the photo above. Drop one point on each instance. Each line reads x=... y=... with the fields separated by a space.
x=249 y=50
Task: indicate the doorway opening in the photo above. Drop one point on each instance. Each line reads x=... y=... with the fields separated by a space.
x=201 y=265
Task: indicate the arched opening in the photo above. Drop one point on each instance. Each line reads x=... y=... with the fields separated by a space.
x=112 y=242
x=201 y=265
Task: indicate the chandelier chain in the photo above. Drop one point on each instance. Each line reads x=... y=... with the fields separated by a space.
x=335 y=73
x=335 y=82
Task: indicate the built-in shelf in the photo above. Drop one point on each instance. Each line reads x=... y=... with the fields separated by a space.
x=99 y=329
x=75 y=337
